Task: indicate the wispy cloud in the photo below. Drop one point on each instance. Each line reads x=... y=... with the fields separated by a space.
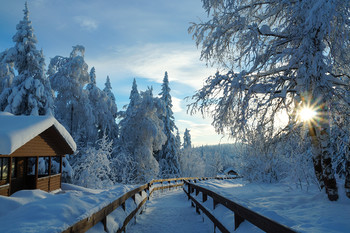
x=150 y=61
x=86 y=23
x=176 y=104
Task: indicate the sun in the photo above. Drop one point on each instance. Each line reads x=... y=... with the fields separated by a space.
x=307 y=114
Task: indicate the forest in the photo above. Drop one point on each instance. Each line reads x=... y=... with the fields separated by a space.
x=267 y=69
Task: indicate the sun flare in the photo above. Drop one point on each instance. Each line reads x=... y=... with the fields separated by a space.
x=307 y=114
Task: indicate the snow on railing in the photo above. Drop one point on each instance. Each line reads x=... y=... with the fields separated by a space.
x=139 y=196
x=240 y=213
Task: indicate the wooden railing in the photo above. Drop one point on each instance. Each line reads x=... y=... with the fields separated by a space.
x=49 y=183
x=240 y=213
x=5 y=189
x=101 y=215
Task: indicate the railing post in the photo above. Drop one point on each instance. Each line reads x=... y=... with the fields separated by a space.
x=214 y=203
x=205 y=197
x=197 y=209
x=104 y=222
x=189 y=191
x=238 y=220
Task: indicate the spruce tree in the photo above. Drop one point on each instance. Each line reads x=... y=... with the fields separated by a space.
x=112 y=130
x=104 y=110
x=141 y=133
x=187 y=139
x=168 y=156
x=30 y=93
x=7 y=74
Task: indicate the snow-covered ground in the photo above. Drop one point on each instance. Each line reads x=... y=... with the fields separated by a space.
x=303 y=210
x=39 y=211
x=169 y=212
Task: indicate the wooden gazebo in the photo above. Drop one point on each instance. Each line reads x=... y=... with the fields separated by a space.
x=24 y=142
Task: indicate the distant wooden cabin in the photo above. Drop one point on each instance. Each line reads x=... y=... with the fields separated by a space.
x=24 y=142
x=230 y=172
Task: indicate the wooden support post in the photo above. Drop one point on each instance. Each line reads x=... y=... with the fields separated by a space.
x=104 y=222
x=197 y=192
x=238 y=220
x=9 y=170
x=189 y=191
x=205 y=197
x=61 y=157
x=133 y=197
x=49 y=171
x=36 y=171
x=214 y=203
x=197 y=210
x=123 y=206
x=192 y=189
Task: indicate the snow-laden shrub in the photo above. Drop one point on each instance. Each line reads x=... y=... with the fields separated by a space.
x=283 y=159
x=92 y=168
x=124 y=167
x=192 y=164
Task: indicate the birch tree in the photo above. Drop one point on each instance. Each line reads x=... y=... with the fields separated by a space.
x=68 y=76
x=276 y=56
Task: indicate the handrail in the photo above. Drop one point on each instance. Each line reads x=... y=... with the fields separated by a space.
x=49 y=176
x=101 y=215
x=240 y=213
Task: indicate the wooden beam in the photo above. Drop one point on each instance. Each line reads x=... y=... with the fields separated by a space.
x=49 y=171
x=10 y=170
x=36 y=171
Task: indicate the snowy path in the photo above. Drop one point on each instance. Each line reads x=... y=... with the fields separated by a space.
x=170 y=212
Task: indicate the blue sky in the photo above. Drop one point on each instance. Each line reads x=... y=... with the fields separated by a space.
x=124 y=39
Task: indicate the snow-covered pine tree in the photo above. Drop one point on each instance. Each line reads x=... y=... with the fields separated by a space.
x=108 y=89
x=103 y=111
x=168 y=155
x=187 y=139
x=277 y=56
x=7 y=74
x=141 y=133
x=112 y=129
x=30 y=92
x=68 y=76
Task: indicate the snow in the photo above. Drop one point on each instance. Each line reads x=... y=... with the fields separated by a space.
x=15 y=131
x=171 y=212
x=39 y=211
x=303 y=210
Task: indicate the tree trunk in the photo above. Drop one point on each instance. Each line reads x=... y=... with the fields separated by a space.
x=316 y=156
x=347 y=177
x=328 y=172
x=322 y=155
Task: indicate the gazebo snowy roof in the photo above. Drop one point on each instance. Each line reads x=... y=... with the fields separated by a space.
x=16 y=131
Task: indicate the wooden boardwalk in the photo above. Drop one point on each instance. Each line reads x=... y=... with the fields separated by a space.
x=171 y=212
